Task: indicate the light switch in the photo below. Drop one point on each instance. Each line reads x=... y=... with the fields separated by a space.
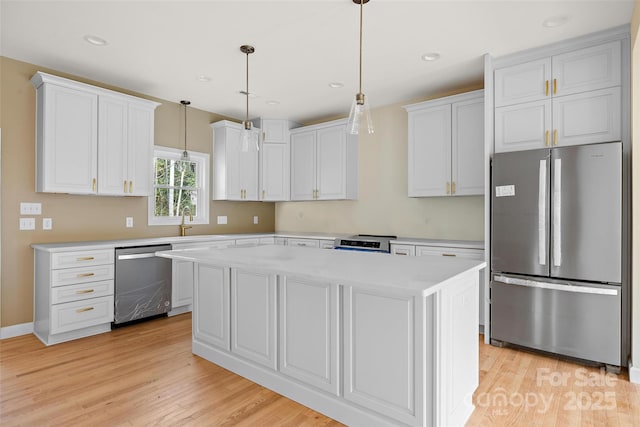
x=27 y=223
x=30 y=208
x=222 y=219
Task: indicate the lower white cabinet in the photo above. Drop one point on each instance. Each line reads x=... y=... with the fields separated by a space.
x=212 y=296
x=309 y=332
x=253 y=316
x=73 y=293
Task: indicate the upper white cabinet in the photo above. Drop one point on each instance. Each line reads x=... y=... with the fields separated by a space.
x=566 y=99
x=324 y=162
x=275 y=164
x=446 y=146
x=91 y=140
x=235 y=172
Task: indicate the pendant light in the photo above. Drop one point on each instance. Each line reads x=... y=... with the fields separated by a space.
x=185 y=153
x=359 y=116
x=248 y=137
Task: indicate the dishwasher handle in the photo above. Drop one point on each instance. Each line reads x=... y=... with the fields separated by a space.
x=136 y=256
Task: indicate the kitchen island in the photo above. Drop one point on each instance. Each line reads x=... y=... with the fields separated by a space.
x=365 y=338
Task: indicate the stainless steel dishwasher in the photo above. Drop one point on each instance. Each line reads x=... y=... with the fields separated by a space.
x=142 y=285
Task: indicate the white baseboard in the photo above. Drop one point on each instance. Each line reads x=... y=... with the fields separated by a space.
x=16 y=330
x=634 y=374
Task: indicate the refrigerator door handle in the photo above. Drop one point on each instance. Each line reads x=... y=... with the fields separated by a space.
x=555 y=286
x=557 y=210
x=542 y=213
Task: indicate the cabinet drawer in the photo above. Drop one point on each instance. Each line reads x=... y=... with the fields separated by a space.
x=82 y=258
x=326 y=244
x=310 y=243
x=71 y=276
x=451 y=252
x=81 y=314
x=82 y=291
x=408 y=250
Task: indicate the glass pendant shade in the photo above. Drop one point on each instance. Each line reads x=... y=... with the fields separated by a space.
x=359 y=116
x=249 y=138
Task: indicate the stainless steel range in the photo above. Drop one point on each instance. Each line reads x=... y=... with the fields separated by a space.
x=365 y=243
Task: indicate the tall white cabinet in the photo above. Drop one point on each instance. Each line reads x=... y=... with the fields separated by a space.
x=565 y=99
x=91 y=140
x=446 y=146
x=324 y=162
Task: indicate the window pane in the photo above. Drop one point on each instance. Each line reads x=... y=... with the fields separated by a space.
x=171 y=202
x=182 y=174
x=162 y=173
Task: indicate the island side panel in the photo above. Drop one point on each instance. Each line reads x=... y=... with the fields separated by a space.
x=211 y=299
x=457 y=345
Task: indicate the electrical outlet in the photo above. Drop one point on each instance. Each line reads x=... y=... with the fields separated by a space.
x=129 y=222
x=222 y=219
x=47 y=223
x=30 y=208
x=27 y=223
x=255 y=219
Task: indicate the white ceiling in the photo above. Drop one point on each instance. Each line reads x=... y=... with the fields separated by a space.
x=159 y=48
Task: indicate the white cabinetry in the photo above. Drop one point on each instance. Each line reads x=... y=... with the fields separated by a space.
x=566 y=99
x=275 y=163
x=91 y=140
x=73 y=295
x=324 y=162
x=235 y=172
x=446 y=146
x=253 y=316
x=309 y=332
x=211 y=296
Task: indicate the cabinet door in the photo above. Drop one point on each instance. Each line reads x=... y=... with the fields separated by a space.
x=588 y=117
x=181 y=283
x=467 y=148
x=522 y=83
x=430 y=151
x=376 y=341
x=112 y=146
x=583 y=70
x=523 y=126
x=275 y=172
x=248 y=172
x=303 y=165
x=275 y=131
x=331 y=163
x=211 y=295
x=309 y=331
x=67 y=141
x=140 y=150
x=253 y=316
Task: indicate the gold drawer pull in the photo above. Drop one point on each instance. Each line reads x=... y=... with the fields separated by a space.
x=263 y=194
x=125 y=186
x=555 y=86
x=85 y=275
x=546 y=138
x=448 y=188
x=130 y=186
x=85 y=258
x=95 y=184
x=555 y=137
x=453 y=188
x=82 y=310
x=84 y=291
x=546 y=88
x=402 y=253
x=449 y=255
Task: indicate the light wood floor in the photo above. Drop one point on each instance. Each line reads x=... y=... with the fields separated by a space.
x=146 y=375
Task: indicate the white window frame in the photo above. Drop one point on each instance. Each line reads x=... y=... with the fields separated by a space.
x=202 y=169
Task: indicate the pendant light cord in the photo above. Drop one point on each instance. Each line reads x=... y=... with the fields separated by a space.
x=185 y=126
x=360 y=77
x=247 y=86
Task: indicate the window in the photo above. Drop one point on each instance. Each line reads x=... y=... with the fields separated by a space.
x=179 y=187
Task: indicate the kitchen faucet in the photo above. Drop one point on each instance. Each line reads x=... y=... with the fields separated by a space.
x=184 y=227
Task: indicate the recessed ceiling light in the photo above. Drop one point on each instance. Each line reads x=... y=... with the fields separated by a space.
x=95 y=40
x=203 y=78
x=336 y=85
x=555 y=21
x=431 y=56
x=244 y=93
x=273 y=102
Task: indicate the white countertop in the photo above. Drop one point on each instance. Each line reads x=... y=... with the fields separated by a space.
x=408 y=275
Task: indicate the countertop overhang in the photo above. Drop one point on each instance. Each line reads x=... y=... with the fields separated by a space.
x=420 y=276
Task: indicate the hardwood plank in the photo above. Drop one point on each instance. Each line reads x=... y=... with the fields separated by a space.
x=146 y=375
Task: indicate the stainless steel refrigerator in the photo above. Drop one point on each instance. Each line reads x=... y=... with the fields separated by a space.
x=556 y=250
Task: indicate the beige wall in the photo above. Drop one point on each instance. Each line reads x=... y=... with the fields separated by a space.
x=383 y=206
x=635 y=185
x=81 y=218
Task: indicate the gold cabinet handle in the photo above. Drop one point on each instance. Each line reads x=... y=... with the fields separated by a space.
x=546 y=88
x=95 y=184
x=130 y=186
x=453 y=188
x=85 y=258
x=449 y=255
x=555 y=137
x=125 y=186
x=555 y=86
x=546 y=138
x=263 y=194
x=85 y=275
x=82 y=310
x=401 y=253
x=448 y=187
x=85 y=291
